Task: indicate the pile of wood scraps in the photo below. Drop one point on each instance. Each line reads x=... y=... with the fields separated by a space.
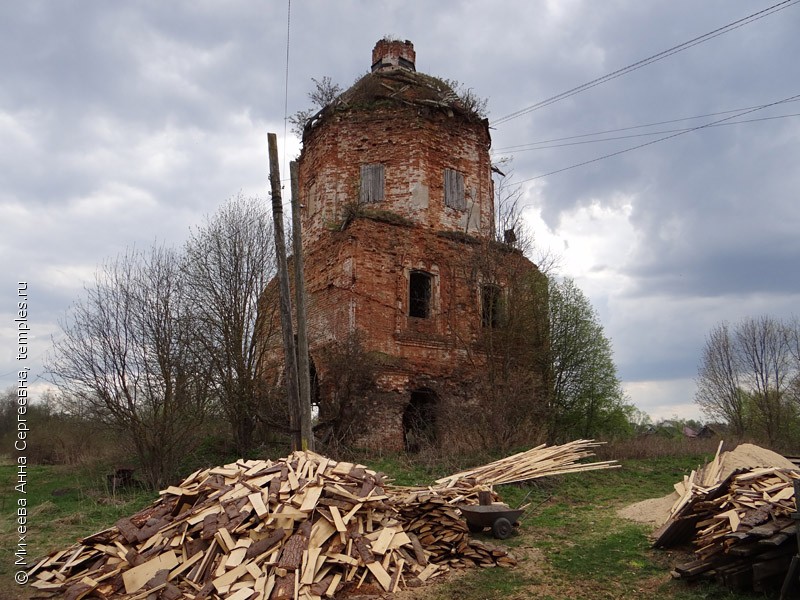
x=303 y=527
x=541 y=461
x=430 y=514
x=741 y=527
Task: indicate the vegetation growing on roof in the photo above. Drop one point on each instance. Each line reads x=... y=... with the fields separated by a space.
x=399 y=87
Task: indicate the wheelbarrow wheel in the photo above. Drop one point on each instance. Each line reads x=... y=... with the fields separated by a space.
x=474 y=527
x=502 y=528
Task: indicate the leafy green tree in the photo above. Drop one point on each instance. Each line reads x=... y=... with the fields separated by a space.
x=587 y=398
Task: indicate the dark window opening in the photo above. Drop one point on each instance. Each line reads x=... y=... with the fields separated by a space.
x=419 y=420
x=491 y=306
x=419 y=294
x=454 y=196
x=372 y=183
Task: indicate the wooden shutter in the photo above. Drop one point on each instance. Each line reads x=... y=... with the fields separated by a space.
x=454 y=190
x=371 y=189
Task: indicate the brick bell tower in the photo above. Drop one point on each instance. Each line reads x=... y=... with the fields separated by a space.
x=397 y=195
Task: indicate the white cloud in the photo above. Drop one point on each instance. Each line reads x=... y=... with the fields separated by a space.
x=665 y=399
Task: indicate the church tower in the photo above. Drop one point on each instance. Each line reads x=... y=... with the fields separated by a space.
x=398 y=226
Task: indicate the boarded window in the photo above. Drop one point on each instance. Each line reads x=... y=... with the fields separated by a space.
x=419 y=294
x=454 y=190
x=492 y=306
x=371 y=188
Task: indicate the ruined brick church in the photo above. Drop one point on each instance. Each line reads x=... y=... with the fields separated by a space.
x=398 y=227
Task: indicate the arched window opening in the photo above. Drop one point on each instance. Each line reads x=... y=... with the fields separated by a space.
x=420 y=285
x=491 y=306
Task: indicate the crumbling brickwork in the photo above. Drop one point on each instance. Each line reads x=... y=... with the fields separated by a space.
x=397 y=196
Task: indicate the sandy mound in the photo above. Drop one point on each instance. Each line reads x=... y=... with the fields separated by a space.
x=656 y=511
x=653 y=511
x=750 y=456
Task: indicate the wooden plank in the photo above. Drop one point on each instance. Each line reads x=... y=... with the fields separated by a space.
x=331 y=591
x=223 y=582
x=346 y=518
x=225 y=540
x=320 y=532
x=257 y=501
x=337 y=520
x=136 y=577
x=242 y=594
x=380 y=545
x=312 y=494
x=381 y=575
x=311 y=566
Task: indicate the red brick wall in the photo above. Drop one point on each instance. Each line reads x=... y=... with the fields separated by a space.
x=357 y=267
x=415 y=145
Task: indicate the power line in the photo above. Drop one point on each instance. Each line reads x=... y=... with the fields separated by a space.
x=651 y=59
x=650 y=143
x=628 y=128
x=637 y=135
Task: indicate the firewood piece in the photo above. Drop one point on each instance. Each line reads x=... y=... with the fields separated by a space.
x=257 y=501
x=136 y=577
x=261 y=546
x=79 y=590
x=284 y=588
x=337 y=520
x=363 y=550
x=292 y=552
x=334 y=585
x=128 y=530
x=223 y=582
x=381 y=575
x=422 y=559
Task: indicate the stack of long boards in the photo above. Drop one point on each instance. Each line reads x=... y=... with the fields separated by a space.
x=741 y=527
x=300 y=528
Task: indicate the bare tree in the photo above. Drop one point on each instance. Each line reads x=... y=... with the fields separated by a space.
x=325 y=91
x=765 y=365
x=228 y=262
x=509 y=220
x=719 y=389
x=126 y=352
x=748 y=377
x=351 y=374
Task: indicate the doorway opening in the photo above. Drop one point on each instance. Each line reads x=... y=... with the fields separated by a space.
x=419 y=420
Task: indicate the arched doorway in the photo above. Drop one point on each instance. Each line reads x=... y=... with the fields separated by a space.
x=419 y=420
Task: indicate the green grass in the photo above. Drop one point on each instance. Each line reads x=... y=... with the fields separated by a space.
x=64 y=504
x=571 y=543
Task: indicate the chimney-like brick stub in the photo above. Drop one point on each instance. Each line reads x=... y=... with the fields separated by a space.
x=393 y=54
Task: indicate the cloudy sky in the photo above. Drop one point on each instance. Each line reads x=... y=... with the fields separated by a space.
x=122 y=123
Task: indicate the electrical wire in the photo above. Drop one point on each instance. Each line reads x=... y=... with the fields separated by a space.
x=638 y=135
x=651 y=59
x=629 y=128
x=650 y=143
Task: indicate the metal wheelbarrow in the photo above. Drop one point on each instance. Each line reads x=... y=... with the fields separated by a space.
x=500 y=517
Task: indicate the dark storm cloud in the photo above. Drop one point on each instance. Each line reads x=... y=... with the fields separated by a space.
x=122 y=123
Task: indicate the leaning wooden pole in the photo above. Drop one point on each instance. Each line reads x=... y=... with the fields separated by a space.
x=290 y=357
x=304 y=378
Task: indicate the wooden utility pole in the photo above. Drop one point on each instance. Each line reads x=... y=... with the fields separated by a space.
x=285 y=295
x=306 y=431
